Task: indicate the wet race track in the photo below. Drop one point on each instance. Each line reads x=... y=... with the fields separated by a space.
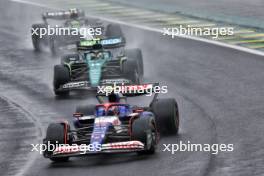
x=219 y=91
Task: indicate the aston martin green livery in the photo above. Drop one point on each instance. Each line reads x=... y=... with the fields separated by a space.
x=95 y=64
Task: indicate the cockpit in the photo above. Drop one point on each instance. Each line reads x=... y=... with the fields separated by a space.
x=97 y=55
x=120 y=110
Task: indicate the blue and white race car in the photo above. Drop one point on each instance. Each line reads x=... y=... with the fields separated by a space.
x=112 y=127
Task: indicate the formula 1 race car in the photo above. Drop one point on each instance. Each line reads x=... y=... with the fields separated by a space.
x=62 y=29
x=113 y=127
x=96 y=64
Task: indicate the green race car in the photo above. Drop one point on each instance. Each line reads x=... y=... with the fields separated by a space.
x=97 y=64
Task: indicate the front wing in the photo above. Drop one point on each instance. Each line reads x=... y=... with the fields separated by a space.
x=77 y=85
x=116 y=147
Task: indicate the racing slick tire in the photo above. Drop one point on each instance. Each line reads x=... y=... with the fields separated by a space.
x=54 y=47
x=136 y=54
x=38 y=42
x=113 y=30
x=166 y=115
x=131 y=72
x=144 y=130
x=61 y=76
x=69 y=57
x=57 y=134
x=85 y=109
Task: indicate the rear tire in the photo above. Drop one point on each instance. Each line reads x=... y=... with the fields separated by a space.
x=136 y=54
x=54 y=48
x=167 y=116
x=113 y=30
x=85 y=109
x=130 y=71
x=61 y=76
x=56 y=134
x=144 y=130
x=38 y=42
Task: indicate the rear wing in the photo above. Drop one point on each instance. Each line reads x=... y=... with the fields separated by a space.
x=128 y=90
x=109 y=43
x=60 y=15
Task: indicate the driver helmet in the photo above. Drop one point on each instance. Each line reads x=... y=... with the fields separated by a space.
x=97 y=55
x=114 y=98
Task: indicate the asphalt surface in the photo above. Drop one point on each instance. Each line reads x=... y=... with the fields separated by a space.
x=219 y=91
x=17 y=131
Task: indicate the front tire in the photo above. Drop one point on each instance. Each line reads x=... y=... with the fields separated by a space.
x=144 y=130
x=167 y=115
x=61 y=76
x=57 y=134
x=85 y=109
